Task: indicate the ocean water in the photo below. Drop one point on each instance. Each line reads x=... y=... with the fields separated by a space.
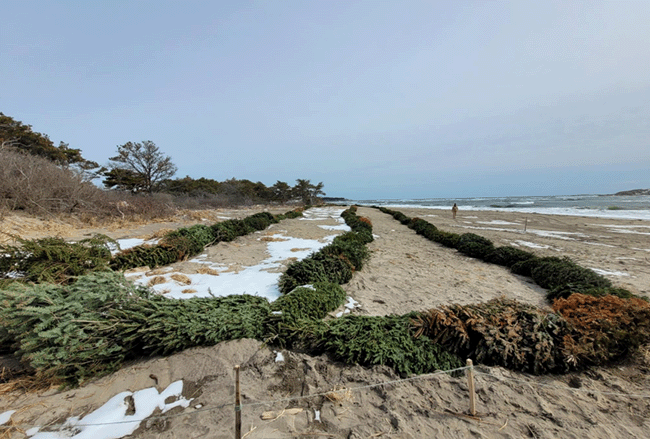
x=602 y=206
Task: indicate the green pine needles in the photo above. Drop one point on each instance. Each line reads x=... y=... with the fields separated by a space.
x=335 y=262
x=386 y=340
x=54 y=260
x=560 y=276
x=69 y=333
x=187 y=242
x=65 y=332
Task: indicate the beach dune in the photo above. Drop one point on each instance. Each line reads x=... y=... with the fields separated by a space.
x=405 y=273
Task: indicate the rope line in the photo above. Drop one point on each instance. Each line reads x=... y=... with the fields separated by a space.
x=59 y=427
x=352 y=389
x=571 y=389
x=250 y=404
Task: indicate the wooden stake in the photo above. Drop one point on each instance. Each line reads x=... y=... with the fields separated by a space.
x=525 y=224
x=237 y=405
x=470 y=385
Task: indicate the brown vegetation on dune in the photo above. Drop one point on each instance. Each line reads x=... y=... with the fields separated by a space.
x=604 y=328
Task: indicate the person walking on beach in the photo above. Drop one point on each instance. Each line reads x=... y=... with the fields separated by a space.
x=454 y=210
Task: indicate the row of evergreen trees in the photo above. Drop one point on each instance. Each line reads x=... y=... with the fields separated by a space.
x=303 y=191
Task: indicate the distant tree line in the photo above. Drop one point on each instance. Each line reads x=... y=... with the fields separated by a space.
x=40 y=176
x=303 y=191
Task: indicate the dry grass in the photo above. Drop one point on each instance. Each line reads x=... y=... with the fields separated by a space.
x=188 y=291
x=157 y=280
x=24 y=384
x=340 y=395
x=35 y=185
x=20 y=225
x=207 y=270
x=200 y=215
x=20 y=386
x=181 y=279
x=273 y=415
x=272 y=239
x=158 y=271
x=159 y=234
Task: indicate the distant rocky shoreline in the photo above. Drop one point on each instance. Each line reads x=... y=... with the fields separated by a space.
x=634 y=192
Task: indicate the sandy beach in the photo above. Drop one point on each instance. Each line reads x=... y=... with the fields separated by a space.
x=295 y=395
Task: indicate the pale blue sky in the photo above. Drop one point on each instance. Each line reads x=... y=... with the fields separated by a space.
x=376 y=99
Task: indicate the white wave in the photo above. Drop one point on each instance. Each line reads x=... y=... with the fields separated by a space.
x=567 y=211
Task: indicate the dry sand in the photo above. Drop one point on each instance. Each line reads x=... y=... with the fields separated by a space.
x=405 y=273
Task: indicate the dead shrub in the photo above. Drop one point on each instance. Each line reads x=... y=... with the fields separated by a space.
x=363 y=219
x=37 y=185
x=157 y=280
x=207 y=270
x=135 y=207
x=181 y=279
x=500 y=332
x=604 y=328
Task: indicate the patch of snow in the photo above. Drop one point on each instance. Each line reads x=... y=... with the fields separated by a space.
x=255 y=280
x=130 y=243
x=279 y=357
x=317 y=415
x=556 y=234
x=110 y=421
x=352 y=304
x=496 y=229
x=349 y=306
x=498 y=223
x=4 y=417
x=622 y=226
x=321 y=213
x=342 y=227
x=531 y=244
x=629 y=231
x=609 y=273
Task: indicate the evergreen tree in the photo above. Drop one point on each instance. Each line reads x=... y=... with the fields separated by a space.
x=281 y=191
x=307 y=192
x=18 y=136
x=144 y=165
